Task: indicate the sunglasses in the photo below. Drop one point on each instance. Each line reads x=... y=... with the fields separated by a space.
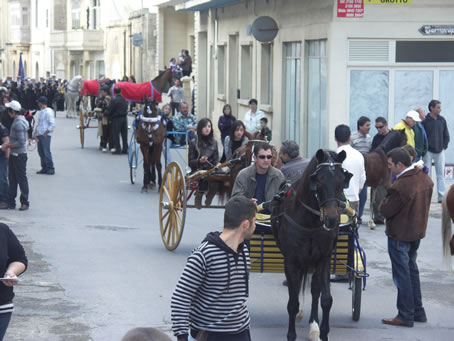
x=379 y=127
x=263 y=157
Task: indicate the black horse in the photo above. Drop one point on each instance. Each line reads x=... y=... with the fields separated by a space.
x=305 y=225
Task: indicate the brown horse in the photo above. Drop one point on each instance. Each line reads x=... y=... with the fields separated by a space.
x=446 y=226
x=376 y=162
x=150 y=134
x=222 y=183
x=153 y=125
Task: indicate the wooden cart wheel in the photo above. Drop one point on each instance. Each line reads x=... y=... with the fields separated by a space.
x=172 y=208
x=356 y=297
x=81 y=127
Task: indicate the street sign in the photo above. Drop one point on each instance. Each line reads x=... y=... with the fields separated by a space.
x=137 y=39
x=447 y=30
x=264 y=29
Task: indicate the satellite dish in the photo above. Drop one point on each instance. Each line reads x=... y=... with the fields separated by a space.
x=264 y=29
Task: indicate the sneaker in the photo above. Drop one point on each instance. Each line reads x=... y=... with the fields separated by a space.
x=42 y=171
x=104 y=150
x=113 y=150
x=23 y=207
x=52 y=172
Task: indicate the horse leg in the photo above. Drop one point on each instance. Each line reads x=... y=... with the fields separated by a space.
x=446 y=227
x=159 y=169
x=371 y=222
x=326 y=299
x=294 y=277
x=153 y=176
x=314 y=330
x=146 y=167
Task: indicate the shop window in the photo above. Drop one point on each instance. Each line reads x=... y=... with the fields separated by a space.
x=75 y=14
x=412 y=88
x=316 y=95
x=369 y=95
x=266 y=74
x=424 y=51
x=246 y=72
x=221 y=69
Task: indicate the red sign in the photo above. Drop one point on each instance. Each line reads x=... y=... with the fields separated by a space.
x=350 y=8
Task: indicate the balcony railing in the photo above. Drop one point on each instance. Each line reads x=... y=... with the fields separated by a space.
x=78 y=39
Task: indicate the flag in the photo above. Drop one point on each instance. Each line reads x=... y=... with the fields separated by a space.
x=21 y=69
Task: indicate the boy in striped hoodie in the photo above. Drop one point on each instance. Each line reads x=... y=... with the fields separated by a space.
x=210 y=299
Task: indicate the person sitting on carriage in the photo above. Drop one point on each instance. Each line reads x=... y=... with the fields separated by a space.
x=235 y=140
x=104 y=129
x=203 y=155
x=184 y=120
x=260 y=181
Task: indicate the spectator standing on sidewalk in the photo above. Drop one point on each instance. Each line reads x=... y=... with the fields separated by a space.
x=13 y=262
x=406 y=209
x=362 y=142
x=44 y=129
x=17 y=165
x=4 y=157
x=176 y=96
x=438 y=136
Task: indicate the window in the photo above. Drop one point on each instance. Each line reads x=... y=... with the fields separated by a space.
x=100 y=67
x=75 y=14
x=246 y=72
x=221 y=69
x=369 y=95
x=266 y=74
x=292 y=90
x=47 y=18
x=316 y=95
x=424 y=51
x=25 y=17
x=36 y=13
x=96 y=14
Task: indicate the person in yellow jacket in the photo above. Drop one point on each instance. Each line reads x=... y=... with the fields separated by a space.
x=407 y=124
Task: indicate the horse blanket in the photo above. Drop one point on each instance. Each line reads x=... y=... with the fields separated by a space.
x=90 y=88
x=135 y=92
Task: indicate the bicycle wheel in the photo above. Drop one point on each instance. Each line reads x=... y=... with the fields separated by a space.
x=133 y=164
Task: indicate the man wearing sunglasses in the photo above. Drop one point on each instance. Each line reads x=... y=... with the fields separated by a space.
x=260 y=181
x=380 y=191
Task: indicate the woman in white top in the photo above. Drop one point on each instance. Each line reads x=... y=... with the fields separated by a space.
x=252 y=117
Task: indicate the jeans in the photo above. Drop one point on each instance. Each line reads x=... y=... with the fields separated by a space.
x=175 y=107
x=17 y=175
x=45 y=155
x=439 y=160
x=120 y=126
x=3 y=178
x=4 y=322
x=406 y=278
x=214 y=336
x=191 y=136
x=362 y=201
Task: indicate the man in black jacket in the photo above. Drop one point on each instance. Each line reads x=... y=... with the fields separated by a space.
x=438 y=136
x=117 y=113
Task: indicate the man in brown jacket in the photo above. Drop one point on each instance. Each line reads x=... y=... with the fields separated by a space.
x=406 y=209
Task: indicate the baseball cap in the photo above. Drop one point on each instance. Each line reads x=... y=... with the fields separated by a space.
x=414 y=115
x=14 y=105
x=42 y=100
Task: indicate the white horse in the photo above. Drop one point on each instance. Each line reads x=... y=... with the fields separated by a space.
x=72 y=91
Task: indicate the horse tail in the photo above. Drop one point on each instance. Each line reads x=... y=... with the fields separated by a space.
x=446 y=227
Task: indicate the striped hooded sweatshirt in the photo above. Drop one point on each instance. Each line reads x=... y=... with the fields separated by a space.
x=212 y=292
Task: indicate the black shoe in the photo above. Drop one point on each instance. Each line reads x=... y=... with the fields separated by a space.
x=421 y=319
x=42 y=171
x=379 y=222
x=50 y=172
x=23 y=207
x=359 y=221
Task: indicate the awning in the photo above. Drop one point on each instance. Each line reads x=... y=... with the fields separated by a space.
x=202 y=5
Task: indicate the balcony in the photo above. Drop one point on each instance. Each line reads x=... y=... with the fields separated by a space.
x=78 y=40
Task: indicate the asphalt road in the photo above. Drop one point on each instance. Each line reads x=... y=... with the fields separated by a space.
x=98 y=266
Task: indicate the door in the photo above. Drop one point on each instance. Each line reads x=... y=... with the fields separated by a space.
x=233 y=74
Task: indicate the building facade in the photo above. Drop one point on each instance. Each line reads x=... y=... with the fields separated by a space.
x=322 y=70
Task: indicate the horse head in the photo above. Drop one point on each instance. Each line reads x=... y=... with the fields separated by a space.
x=394 y=139
x=77 y=82
x=327 y=183
x=164 y=81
